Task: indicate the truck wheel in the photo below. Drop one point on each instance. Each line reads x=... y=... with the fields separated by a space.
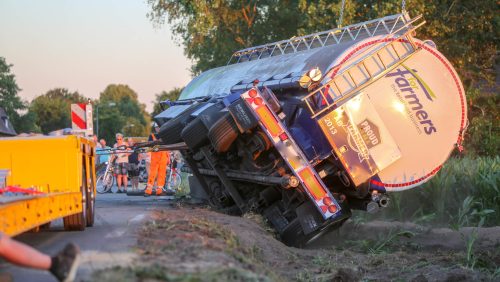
x=195 y=133
x=294 y=236
x=223 y=133
x=90 y=206
x=170 y=132
x=78 y=222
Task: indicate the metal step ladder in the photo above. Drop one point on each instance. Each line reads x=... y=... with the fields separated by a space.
x=381 y=26
x=373 y=63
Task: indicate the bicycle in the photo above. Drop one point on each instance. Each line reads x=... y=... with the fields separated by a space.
x=143 y=173
x=174 y=179
x=106 y=180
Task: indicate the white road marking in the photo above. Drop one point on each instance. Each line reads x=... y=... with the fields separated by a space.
x=116 y=233
x=137 y=218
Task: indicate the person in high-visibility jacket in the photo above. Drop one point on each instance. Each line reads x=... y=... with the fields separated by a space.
x=158 y=168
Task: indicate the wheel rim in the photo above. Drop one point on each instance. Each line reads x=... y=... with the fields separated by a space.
x=100 y=186
x=84 y=208
x=90 y=207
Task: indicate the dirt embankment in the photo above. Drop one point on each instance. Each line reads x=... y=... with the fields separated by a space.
x=196 y=244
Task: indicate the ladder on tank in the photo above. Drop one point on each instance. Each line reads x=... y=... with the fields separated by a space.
x=375 y=62
x=382 y=26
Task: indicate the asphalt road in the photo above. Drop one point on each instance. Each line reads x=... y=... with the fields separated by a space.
x=108 y=243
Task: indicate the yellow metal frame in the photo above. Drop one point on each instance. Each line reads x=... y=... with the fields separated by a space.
x=52 y=165
x=19 y=216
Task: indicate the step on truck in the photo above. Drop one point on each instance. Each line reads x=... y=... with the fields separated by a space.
x=44 y=179
x=305 y=130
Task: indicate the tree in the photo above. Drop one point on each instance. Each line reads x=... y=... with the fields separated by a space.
x=11 y=102
x=171 y=95
x=27 y=122
x=53 y=109
x=211 y=31
x=120 y=111
x=466 y=32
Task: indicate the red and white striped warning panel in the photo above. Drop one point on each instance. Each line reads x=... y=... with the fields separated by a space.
x=78 y=116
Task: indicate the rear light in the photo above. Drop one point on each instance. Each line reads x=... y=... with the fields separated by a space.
x=269 y=121
x=327 y=201
x=258 y=101
x=252 y=93
x=283 y=136
x=312 y=183
x=290 y=151
x=332 y=208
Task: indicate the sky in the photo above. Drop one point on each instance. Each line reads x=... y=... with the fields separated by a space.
x=86 y=45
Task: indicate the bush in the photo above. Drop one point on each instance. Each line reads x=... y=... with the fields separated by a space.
x=482 y=136
x=464 y=191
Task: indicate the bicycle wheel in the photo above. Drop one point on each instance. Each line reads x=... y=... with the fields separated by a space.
x=175 y=181
x=104 y=185
x=100 y=187
x=143 y=176
x=110 y=180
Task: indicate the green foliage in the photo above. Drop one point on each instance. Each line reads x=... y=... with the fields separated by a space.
x=383 y=243
x=466 y=32
x=464 y=193
x=11 y=102
x=210 y=31
x=171 y=95
x=483 y=134
x=470 y=256
x=120 y=111
x=53 y=109
x=27 y=122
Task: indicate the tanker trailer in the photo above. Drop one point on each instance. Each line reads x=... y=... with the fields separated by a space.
x=305 y=130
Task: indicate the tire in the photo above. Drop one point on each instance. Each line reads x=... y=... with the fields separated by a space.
x=170 y=132
x=110 y=181
x=223 y=133
x=175 y=182
x=101 y=186
x=78 y=222
x=195 y=134
x=90 y=216
x=143 y=176
x=294 y=236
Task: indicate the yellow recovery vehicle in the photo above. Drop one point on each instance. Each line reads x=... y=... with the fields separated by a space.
x=60 y=174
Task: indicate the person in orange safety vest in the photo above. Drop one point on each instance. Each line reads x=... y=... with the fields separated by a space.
x=158 y=168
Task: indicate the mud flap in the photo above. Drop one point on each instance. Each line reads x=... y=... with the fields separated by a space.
x=309 y=217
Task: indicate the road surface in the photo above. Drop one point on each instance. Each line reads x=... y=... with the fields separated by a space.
x=108 y=243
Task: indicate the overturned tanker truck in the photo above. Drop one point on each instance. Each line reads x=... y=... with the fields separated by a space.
x=304 y=130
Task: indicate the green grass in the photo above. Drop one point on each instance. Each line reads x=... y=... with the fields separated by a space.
x=163 y=273
x=183 y=190
x=464 y=192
